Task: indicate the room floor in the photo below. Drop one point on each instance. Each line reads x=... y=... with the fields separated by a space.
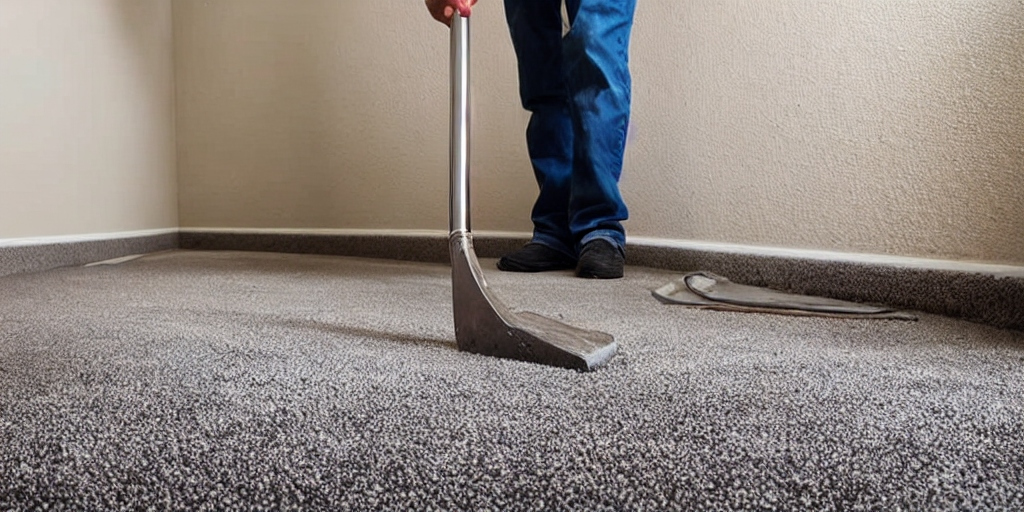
x=215 y=380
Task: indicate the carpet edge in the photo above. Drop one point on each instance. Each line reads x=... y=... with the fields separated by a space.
x=978 y=296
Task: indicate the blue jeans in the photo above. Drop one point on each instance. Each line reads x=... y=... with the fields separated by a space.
x=578 y=89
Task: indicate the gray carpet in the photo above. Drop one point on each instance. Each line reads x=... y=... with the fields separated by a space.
x=202 y=381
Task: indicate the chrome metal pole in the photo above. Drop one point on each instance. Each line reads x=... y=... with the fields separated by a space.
x=459 y=155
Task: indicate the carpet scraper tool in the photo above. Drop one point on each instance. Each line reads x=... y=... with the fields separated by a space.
x=484 y=325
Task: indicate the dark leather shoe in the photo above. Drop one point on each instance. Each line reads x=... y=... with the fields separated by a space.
x=599 y=259
x=534 y=257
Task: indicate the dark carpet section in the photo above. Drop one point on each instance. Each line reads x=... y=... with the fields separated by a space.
x=212 y=381
x=34 y=258
x=996 y=300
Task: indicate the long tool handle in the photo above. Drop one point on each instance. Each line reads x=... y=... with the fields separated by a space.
x=459 y=195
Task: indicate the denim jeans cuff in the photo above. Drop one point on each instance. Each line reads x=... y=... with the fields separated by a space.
x=616 y=238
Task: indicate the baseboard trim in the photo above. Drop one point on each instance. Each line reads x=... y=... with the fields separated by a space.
x=657 y=244
x=407 y=245
x=829 y=256
x=980 y=292
x=21 y=255
x=90 y=237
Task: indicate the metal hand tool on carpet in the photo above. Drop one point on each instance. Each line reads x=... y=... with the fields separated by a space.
x=484 y=325
x=711 y=291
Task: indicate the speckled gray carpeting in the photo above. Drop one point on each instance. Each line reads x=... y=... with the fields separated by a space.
x=201 y=380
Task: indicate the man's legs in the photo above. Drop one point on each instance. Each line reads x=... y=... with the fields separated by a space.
x=578 y=90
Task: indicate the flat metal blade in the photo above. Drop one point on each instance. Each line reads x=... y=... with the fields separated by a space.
x=484 y=325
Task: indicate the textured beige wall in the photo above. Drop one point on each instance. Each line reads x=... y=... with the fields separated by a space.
x=86 y=117
x=892 y=127
x=861 y=126
x=313 y=114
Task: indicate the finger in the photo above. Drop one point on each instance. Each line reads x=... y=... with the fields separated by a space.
x=443 y=15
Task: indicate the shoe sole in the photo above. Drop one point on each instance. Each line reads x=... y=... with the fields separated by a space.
x=522 y=268
x=591 y=274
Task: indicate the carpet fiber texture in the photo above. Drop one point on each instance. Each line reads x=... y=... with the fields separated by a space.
x=217 y=380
